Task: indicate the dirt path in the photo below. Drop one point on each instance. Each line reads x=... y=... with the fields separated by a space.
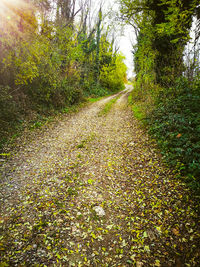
x=93 y=191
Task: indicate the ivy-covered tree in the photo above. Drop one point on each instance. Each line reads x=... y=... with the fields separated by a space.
x=167 y=23
x=167 y=88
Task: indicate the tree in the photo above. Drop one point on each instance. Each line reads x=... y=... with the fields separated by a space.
x=168 y=23
x=98 y=37
x=113 y=75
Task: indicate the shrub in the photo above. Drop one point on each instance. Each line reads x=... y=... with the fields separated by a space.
x=113 y=75
x=175 y=123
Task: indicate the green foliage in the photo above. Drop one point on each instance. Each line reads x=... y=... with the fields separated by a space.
x=108 y=106
x=7 y=103
x=138 y=112
x=169 y=101
x=50 y=65
x=175 y=123
x=9 y=112
x=96 y=90
x=144 y=59
x=178 y=19
x=95 y=99
x=113 y=75
x=163 y=29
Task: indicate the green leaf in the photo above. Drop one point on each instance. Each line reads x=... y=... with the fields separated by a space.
x=145 y=234
x=90 y=181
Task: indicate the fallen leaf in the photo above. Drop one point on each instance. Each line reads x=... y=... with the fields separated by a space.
x=175 y=231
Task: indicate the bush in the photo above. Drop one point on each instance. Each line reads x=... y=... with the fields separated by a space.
x=113 y=76
x=96 y=90
x=8 y=105
x=9 y=113
x=175 y=123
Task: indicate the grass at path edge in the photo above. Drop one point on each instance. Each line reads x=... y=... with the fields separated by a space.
x=108 y=106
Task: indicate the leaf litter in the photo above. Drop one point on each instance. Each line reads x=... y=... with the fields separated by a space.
x=92 y=190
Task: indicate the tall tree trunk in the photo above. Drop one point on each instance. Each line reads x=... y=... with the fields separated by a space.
x=98 y=38
x=169 y=60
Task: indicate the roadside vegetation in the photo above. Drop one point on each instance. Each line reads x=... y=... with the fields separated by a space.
x=50 y=61
x=166 y=95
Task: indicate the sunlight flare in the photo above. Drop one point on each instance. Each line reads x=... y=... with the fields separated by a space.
x=12 y=13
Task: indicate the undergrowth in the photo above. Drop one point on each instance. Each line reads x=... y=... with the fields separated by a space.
x=39 y=117
x=175 y=124
x=38 y=120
